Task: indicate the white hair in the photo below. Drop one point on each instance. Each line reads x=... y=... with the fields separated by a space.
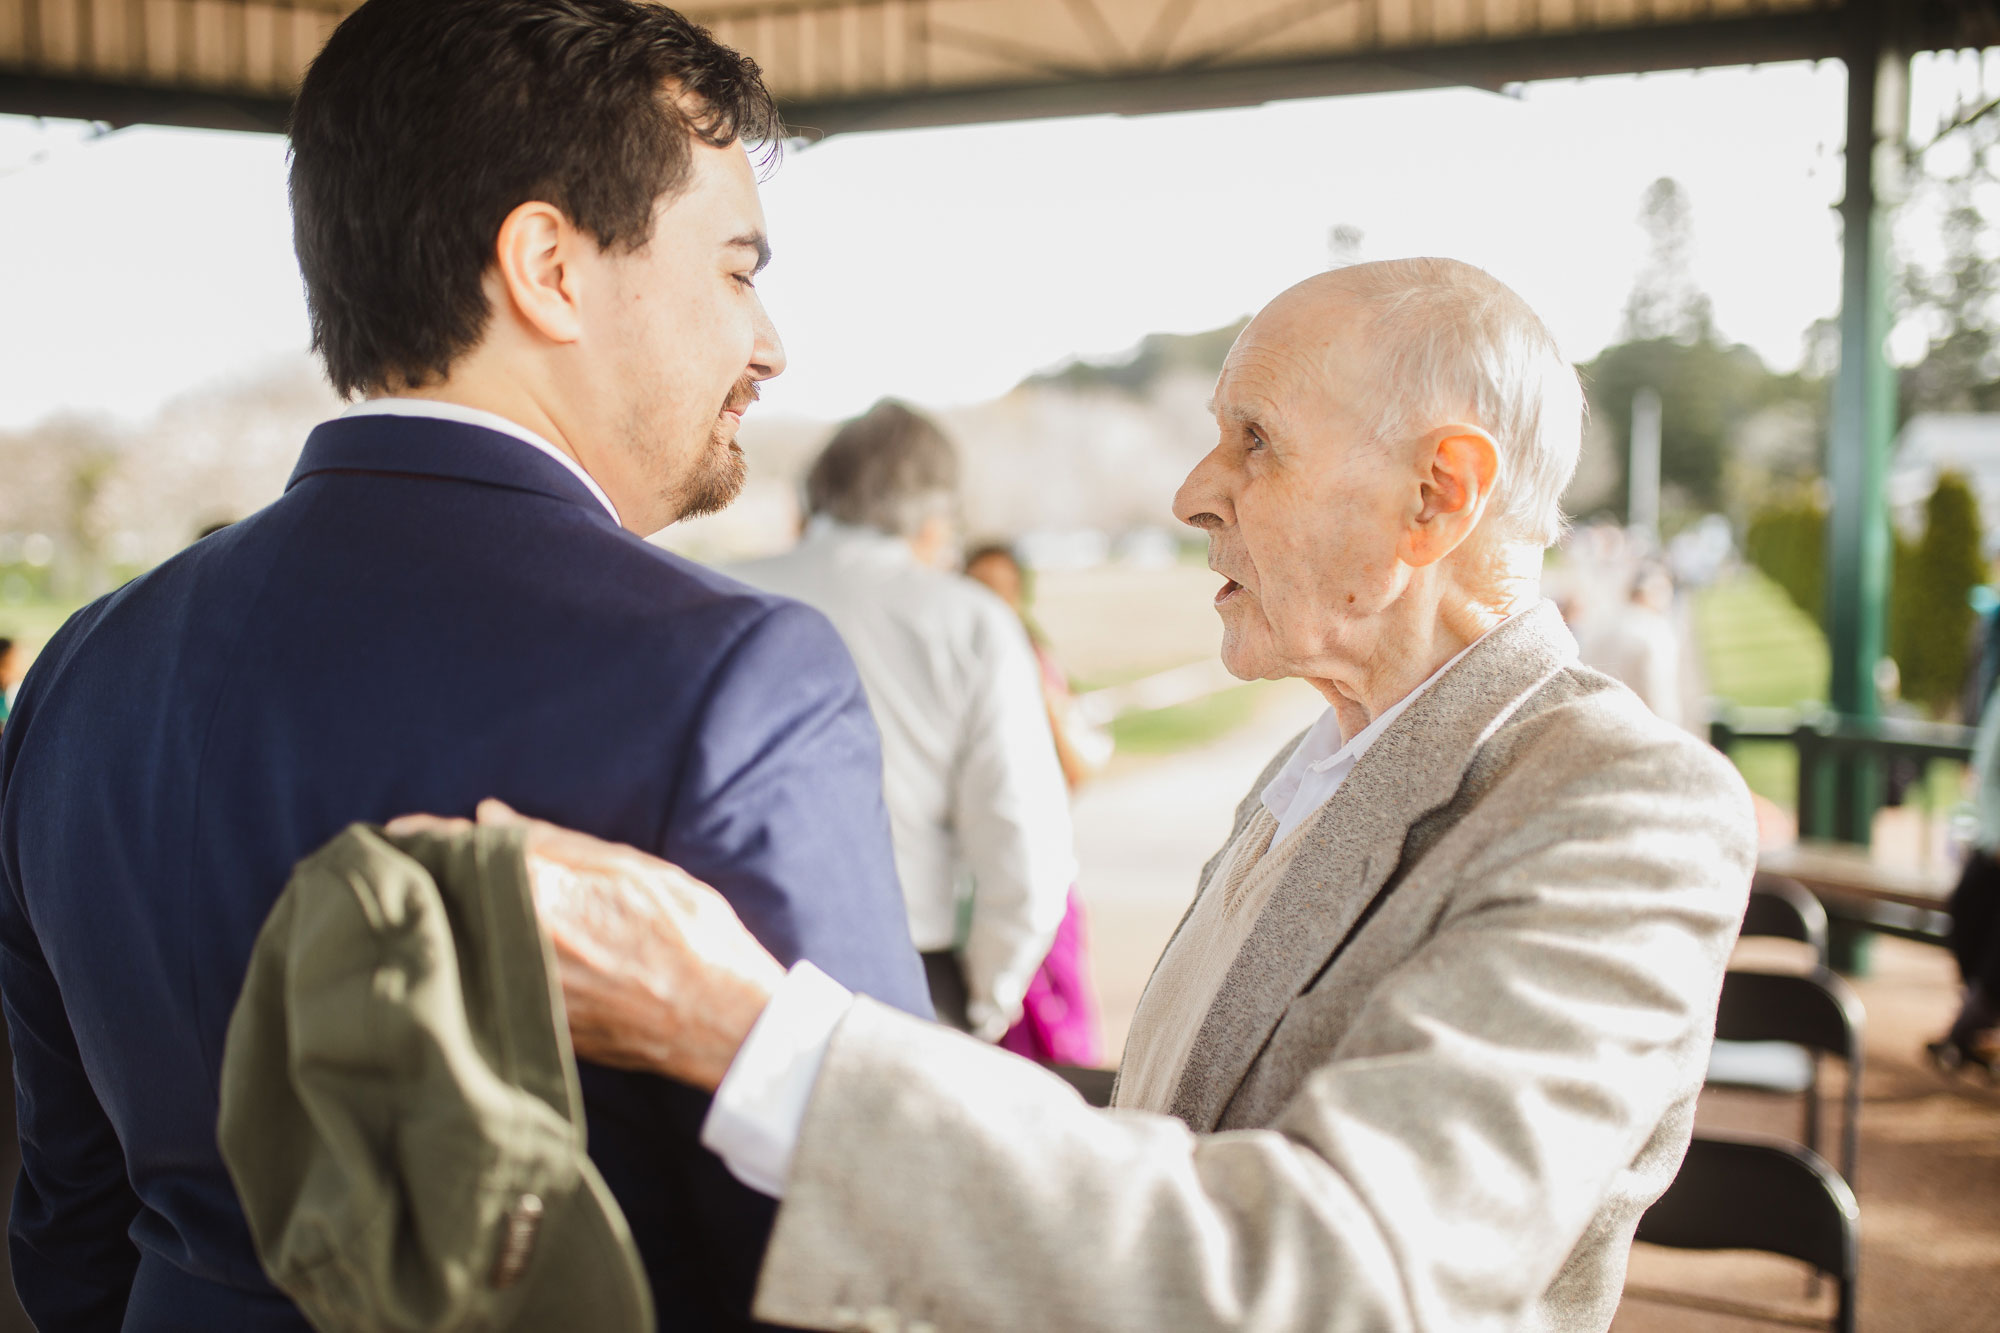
x=1453 y=344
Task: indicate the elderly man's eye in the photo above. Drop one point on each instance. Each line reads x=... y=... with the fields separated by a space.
x=1254 y=437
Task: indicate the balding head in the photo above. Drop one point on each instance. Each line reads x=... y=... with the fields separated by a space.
x=1395 y=440
x=1448 y=342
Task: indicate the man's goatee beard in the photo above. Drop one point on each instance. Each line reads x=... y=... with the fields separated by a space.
x=720 y=482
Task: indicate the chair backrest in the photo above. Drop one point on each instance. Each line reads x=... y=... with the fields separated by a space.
x=1785 y=909
x=1742 y=1194
x=1093 y=1084
x=1816 y=1010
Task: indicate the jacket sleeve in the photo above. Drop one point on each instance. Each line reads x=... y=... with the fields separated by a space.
x=73 y=1206
x=1010 y=809
x=779 y=806
x=1435 y=1172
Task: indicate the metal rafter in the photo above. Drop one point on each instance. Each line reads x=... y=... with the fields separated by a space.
x=1262 y=27
x=1052 y=61
x=1166 y=29
x=1091 y=20
x=846 y=63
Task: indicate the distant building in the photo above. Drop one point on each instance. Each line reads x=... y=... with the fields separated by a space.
x=1934 y=443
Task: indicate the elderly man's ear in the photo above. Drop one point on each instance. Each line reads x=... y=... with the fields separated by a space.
x=1455 y=472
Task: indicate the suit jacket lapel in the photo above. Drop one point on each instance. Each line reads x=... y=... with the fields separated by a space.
x=1341 y=857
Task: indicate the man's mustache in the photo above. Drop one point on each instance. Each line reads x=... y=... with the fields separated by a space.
x=745 y=393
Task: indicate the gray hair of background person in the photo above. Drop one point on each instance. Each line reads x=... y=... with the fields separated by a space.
x=890 y=469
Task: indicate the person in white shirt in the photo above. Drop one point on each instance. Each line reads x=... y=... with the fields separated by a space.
x=978 y=809
x=1638 y=645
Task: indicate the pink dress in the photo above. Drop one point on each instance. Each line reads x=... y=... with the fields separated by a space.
x=1058 y=1023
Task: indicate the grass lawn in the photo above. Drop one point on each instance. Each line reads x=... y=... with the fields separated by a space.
x=31 y=623
x=1165 y=730
x=1761 y=651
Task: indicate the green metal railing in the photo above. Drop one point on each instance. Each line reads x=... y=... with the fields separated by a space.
x=1843 y=773
x=1827 y=745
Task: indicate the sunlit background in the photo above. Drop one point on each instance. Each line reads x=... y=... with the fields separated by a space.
x=1061 y=292
x=155 y=321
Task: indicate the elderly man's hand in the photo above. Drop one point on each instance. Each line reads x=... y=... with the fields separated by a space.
x=657 y=971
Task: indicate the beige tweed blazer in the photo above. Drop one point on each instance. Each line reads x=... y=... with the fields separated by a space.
x=1455 y=1060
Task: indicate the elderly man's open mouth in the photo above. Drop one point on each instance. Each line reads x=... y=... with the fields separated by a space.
x=1230 y=587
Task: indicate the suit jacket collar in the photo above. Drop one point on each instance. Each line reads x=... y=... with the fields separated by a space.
x=1341 y=857
x=448 y=450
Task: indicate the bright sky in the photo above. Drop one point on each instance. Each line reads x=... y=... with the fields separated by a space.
x=943 y=265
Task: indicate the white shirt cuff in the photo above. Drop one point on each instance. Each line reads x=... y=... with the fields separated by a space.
x=753 y=1125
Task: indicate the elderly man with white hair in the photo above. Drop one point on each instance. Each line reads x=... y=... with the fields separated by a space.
x=1428 y=1041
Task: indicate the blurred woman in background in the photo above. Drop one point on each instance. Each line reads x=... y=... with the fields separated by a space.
x=1058 y=1023
x=1974 y=1038
x=13 y=667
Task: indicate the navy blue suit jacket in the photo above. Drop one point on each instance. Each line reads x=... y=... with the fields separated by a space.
x=431 y=614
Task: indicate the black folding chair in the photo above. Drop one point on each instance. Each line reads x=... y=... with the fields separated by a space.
x=1093 y=1084
x=1742 y=1194
x=1785 y=909
x=1793 y=1020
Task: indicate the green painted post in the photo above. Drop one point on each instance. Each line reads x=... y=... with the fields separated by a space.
x=1864 y=403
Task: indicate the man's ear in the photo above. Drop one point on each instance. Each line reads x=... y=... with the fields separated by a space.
x=1456 y=468
x=535 y=260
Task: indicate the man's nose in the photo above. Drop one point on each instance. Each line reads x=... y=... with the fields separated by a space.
x=1203 y=501
x=767 y=353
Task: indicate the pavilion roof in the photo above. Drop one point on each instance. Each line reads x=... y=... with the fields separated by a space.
x=848 y=64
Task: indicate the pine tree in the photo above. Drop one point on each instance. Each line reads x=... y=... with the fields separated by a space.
x=1666 y=301
x=1930 y=618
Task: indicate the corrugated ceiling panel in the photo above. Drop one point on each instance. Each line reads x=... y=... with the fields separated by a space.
x=828 y=53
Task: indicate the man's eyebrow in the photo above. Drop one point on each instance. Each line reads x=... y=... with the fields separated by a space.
x=753 y=240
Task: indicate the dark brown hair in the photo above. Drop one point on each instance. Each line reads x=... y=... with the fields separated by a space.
x=424 y=123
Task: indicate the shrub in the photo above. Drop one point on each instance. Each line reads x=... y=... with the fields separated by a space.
x=1930 y=618
x=1787 y=541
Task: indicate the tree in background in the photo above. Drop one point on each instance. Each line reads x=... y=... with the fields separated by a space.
x=1706 y=392
x=1930 y=618
x=1343 y=244
x=56 y=474
x=1157 y=356
x=1952 y=293
x=1666 y=303
x=1786 y=539
x=1708 y=388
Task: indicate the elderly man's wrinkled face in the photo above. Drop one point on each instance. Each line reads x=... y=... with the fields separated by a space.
x=1303 y=511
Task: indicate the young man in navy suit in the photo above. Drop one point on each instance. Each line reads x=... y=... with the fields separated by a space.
x=530 y=236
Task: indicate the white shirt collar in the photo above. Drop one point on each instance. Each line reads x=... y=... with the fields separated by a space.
x=473 y=416
x=823 y=529
x=1324 y=758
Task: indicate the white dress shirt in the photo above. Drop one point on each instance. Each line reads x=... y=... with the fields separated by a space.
x=754 y=1122
x=473 y=416
x=969 y=768
x=1324 y=758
